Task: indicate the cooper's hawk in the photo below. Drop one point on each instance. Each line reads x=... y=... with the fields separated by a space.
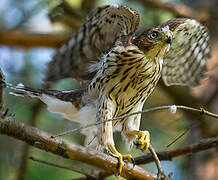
x=127 y=73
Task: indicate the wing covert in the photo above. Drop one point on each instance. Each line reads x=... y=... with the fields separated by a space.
x=103 y=26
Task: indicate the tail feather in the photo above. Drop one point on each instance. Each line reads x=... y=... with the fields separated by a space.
x=66 y=103
x=72 y=105
x=20 y=90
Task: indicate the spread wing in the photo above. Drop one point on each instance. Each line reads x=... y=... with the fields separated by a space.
x=103 y=26
x=185 y=63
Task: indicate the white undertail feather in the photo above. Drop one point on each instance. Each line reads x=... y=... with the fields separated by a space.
x=66 y=109
x=86 y=115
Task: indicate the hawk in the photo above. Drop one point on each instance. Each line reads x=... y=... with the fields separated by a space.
x=124 y=76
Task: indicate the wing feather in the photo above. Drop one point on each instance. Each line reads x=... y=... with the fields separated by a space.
x=185 y=63
x=103 y=26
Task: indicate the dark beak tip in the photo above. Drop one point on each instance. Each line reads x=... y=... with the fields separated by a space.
x=169 y=40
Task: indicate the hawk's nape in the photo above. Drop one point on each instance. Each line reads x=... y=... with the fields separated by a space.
x=103 y=26
x=185 y=63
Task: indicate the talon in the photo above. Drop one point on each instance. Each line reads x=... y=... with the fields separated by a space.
x=112 y=150
x=136 y=144
x=143 y=140
x=133 y=162
x=117 y=175
x=145 y=148
x=127 y=157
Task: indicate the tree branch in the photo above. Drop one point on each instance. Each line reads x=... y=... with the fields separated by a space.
x=161 y=174
x=2 y=85
x=179 y=9
x=42 y=140
x=65 y=14
x=74 y=24
x=203 y=145
x=88 y=5
x=201 y=111
x=67 y=9
x=87 y=171
x=25 y=147
x=30 y=40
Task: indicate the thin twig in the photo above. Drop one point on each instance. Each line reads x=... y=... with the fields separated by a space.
x=193 y=125
x=77 y=169
x=178 y=137
x=201 y=111
x=74 y=24
x=156 y=160
x=203 y=145
x=178 y=9
x=51 y=164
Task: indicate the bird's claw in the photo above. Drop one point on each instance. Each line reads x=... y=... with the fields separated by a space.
x=133 y=162
x=121 y=158
x=143 y=140
x=162 y=176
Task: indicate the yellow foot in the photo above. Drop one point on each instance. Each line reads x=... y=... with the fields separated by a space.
x=112 y=150
x=143 y=140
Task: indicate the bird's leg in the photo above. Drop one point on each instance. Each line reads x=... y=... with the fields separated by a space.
x=131 y=132
x=106 y=135
x=142 y=141
x=113 y=151
x=108 y=142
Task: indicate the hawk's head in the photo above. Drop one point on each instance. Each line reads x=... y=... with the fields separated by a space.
x=155 y=42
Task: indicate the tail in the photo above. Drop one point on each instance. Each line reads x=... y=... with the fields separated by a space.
x=72 y=105
x=21 y=90
x=66 y=103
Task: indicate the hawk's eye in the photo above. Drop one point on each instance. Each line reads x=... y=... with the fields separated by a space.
x=154 y=35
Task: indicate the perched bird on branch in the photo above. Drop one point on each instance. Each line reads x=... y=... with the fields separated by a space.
x=126 y=74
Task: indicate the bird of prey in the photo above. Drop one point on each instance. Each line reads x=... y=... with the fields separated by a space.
x=125 y=74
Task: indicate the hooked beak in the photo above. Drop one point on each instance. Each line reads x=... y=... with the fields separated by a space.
x=168 y=38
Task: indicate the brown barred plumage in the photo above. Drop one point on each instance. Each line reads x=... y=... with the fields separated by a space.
x=125 y=78
x=103 y=26
x=127 y=73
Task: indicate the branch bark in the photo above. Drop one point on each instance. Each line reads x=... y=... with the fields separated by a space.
x=2 y=85
x=30 y=40
x=203 y=145
x=42 y=140
x=179 y=9
x=26 y=148
x=88 y=171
